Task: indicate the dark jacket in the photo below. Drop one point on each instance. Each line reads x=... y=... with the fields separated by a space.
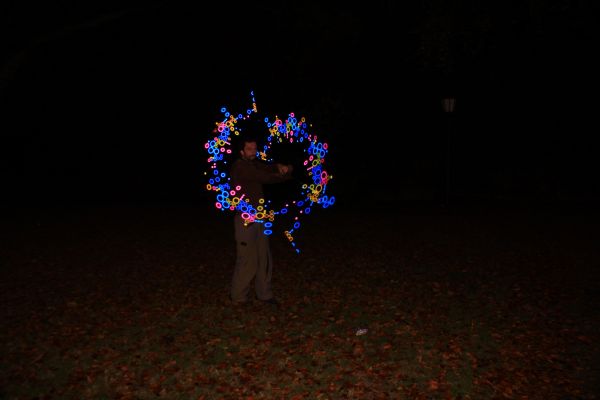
x=251 y=175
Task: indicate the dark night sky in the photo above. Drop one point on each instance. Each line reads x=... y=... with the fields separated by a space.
x=113 y=103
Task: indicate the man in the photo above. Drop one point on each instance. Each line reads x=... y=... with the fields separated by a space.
x=253 y=254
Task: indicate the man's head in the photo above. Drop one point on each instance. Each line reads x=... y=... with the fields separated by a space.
x=248 y=149
x=250 y=128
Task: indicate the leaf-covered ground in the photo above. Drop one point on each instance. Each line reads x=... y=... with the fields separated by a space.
x=131 y=303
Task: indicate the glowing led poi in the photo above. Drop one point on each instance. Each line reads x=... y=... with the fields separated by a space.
x=285 y=131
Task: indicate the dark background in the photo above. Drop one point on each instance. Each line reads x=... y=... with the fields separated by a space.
x=113 y=103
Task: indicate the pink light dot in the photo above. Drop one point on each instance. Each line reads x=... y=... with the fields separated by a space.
x=246 y=216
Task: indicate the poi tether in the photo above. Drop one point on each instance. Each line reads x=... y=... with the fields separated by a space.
x=289 y=131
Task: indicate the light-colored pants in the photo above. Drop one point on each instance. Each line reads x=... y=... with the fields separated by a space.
x=253 y=261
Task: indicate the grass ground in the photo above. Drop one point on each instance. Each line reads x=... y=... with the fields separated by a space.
x=131 y=303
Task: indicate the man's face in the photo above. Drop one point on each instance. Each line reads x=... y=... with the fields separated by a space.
x=249 y=151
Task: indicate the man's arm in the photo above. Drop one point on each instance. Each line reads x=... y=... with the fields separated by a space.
x=266 y=174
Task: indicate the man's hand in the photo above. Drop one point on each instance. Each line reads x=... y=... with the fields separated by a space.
x=285 y=169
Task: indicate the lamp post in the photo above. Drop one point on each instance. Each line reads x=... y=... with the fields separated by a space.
x=448 y=105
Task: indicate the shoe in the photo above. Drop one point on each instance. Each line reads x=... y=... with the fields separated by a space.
x=237 y=302
x=272 y=301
